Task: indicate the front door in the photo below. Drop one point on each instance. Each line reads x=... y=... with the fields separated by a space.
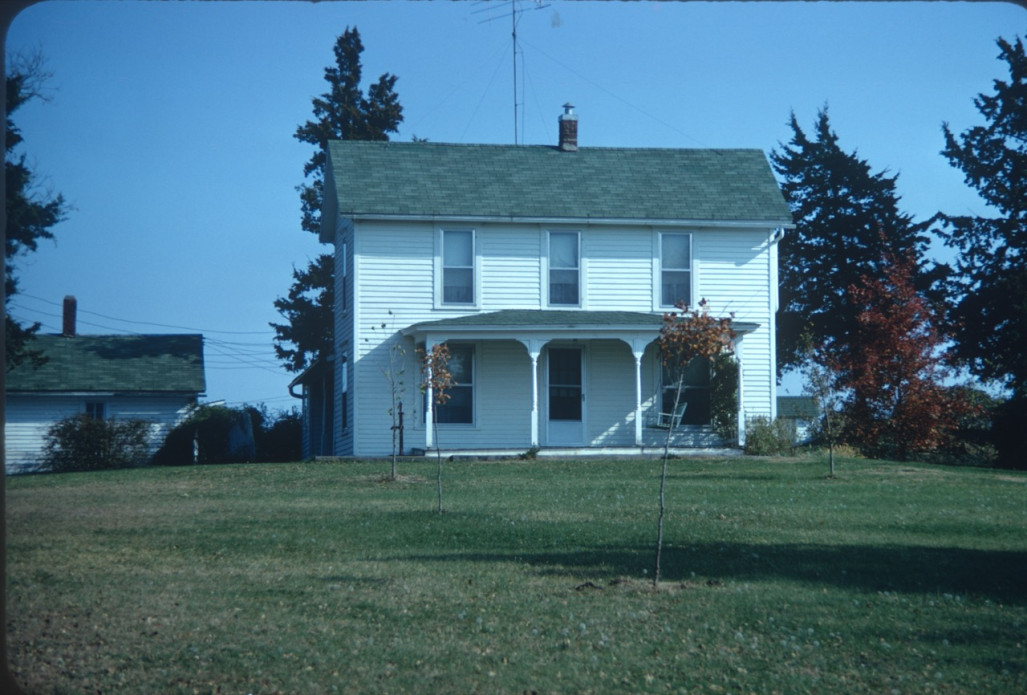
x=566 y=397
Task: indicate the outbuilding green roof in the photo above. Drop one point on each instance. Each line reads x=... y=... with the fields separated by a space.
x=119 y=363
x=416 y=179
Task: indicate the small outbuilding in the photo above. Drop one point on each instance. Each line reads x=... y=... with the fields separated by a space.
x=156 y=378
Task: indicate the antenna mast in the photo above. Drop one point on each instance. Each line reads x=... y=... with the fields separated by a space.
x=513 y=22
x=515 y=13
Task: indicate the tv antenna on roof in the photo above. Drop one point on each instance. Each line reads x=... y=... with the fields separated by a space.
x=515 y=16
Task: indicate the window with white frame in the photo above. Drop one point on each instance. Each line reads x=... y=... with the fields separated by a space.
x=458 y=266
x=564 y=267
x=96 y=410
x=459 y=407
x=675 y=269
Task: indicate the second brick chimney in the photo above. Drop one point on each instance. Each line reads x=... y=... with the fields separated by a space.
x=70 y=308
x=568 y=129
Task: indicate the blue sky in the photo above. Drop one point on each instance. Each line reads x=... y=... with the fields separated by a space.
x=169 y=124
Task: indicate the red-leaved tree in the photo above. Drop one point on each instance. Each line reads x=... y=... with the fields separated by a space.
x=686 y=336
x=894 y=366
x=437 y=382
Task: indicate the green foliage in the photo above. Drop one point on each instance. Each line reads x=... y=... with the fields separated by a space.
x=31 y=212
x=1010 y=433
x=307 y=309
x=845 y=216
x=988 y=289
x=211 y=434
x=82 y=443
x=278 y=436
x=766 y=437
x=218 y=434
x=724 y=397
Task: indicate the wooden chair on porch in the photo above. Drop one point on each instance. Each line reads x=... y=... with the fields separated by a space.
x=668 y=421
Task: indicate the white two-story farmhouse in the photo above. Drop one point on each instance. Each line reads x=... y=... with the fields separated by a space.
x=546 y=271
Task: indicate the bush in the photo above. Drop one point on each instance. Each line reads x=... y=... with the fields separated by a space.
x=279 y=437
x=83 y=443
x=724 y=398
x=211 y=434
x=1009 y=429
x=218 y=434
x=766 y=437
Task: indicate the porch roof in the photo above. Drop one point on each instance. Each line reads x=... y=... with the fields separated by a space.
x=511 y=323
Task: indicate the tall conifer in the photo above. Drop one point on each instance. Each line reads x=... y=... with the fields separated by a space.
x=344 y=112
x=846 y=218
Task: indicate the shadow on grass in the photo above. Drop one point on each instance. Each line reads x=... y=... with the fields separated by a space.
x=997 y=575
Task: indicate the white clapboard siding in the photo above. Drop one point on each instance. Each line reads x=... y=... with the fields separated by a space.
x=733 y=270
x=394 y=271
x=511 y=267
x=391 y=284
x=618 y=262
x=610 y=394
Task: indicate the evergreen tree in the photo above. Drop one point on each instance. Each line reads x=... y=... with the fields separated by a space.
x=308 y=310
x=988 y=288
x=841 y=209
x=344 y=112
x=31 y=212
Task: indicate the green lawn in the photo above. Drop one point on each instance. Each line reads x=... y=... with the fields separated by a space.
x=322 y=578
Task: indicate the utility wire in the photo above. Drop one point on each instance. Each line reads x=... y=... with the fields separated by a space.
x=144 y=323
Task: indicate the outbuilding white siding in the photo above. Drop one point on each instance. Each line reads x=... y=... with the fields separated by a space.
x=29 y=417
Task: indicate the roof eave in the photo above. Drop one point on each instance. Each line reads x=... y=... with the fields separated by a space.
x=588 y=221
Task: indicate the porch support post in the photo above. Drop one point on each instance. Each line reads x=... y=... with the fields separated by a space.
x=637 y=343
x=534 y=347
x=638 y=351
x=534 y=395
x=429 y=410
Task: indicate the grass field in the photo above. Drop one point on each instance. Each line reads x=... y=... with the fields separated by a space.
x=323 y=578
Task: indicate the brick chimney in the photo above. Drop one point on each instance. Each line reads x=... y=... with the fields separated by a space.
x=568 y=129
x=68 y=325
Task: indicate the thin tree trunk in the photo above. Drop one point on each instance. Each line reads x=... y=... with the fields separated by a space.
x=663 y=484
x=438 y=455
x=395 y=434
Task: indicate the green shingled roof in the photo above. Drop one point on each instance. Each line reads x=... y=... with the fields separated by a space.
x=151 y=363
x=440 y=180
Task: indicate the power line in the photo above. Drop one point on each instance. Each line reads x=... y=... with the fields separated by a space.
x=619 y=98
x=145 y=323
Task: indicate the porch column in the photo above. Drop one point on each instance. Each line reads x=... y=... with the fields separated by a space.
x=533 y=354
x=534 y=347
x=638 y=352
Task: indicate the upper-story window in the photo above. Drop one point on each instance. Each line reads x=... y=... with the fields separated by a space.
x=675 y=269
x=458 y=266
x=564 y=266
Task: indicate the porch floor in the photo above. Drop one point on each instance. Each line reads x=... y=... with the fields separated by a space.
x=579 y=452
